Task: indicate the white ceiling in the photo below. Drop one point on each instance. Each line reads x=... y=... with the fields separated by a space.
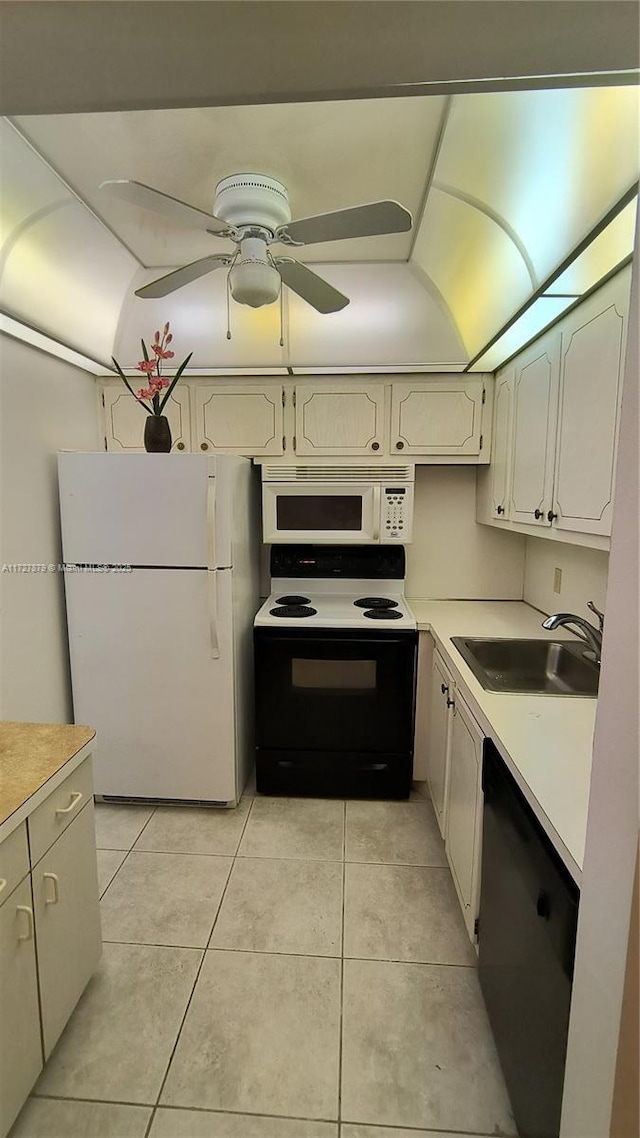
x=502 y=187
x=329 y=155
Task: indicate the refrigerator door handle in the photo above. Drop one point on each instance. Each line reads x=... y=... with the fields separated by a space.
x=211 y=524
x=212 y=580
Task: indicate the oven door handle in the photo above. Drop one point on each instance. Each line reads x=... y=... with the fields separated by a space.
x=274 y=635
x=377 y=497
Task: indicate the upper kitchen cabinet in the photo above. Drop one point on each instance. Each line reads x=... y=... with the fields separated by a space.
x=340 y=420
x=499 y=473
x=437 y=418
x=124 y=418
x=535 y=407
x=239 y=419
x=563 y=420
x=593 y=346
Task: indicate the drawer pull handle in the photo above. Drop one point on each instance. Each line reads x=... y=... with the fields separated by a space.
x=3 y=884
x=76 y=797
x=450 y=702
x=29 y=933
x=56 y=888
x=444 y=689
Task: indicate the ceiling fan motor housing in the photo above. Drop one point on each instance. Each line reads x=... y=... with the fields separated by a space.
x=252 y=199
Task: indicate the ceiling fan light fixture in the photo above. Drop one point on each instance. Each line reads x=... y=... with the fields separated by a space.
x=254 y=282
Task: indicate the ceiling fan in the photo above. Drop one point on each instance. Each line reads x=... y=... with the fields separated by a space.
x=252 y=210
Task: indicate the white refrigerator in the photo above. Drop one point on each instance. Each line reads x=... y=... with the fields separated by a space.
x=162 y=584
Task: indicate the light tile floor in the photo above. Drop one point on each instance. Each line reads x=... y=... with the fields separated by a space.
x=292 y=969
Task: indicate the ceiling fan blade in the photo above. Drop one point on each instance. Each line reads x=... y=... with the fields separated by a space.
x=358 y=221
x=138 y=194
x=179 y=277
x=317 y=292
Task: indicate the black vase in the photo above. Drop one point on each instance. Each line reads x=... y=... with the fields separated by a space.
x=157 y=434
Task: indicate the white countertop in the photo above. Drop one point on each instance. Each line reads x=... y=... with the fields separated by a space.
x=545 y=740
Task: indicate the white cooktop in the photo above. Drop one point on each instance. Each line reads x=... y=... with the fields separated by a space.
x=334 y=604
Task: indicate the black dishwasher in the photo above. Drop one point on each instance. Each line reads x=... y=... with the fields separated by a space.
x=528 y=917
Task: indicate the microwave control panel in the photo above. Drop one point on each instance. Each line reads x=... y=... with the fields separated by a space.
x=396 y=513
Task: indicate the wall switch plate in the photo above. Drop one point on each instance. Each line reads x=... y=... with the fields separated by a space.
x=557 y=580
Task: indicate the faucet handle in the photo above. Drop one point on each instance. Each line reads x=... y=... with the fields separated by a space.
x=600 y=615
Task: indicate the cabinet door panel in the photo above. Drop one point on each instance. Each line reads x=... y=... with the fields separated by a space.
x=438 y=739
x=590 y=388
x=500 y=455
x=437 y=418
x=340 y=421
x=65 y=898
x=125 y=418
x=20 y=1045
x=464 y=819
x=536 y=399
x=239 y=420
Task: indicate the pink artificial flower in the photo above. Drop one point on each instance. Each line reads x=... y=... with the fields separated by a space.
x=166 y=328
x=146 y=366
x=161 y=353
x=145 y=393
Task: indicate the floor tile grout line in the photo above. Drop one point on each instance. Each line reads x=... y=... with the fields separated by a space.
x=130 y=850
x=231 y=868
x=153 y=1107
x=297 y=955
x=199 y=970
x=150 y=1122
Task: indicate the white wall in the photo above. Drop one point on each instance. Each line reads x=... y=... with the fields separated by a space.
x=45 y=405
x=612 y=826
x=452 y=557
x=584 y=577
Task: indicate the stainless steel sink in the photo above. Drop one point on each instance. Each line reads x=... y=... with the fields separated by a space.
x=544 y=667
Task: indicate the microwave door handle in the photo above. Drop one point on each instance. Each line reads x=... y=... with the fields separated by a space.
x=377 y=496
x=212 y=591
x=211 y=524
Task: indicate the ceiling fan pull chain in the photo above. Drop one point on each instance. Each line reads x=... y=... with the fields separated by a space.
x=281 y=317
x=228 y=291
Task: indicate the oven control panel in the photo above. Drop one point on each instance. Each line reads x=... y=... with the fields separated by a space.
x=396 y=513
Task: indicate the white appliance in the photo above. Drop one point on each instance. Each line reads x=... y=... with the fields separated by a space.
x=335 y=658
x=161 y=581
x=336 y=603
x=332 y=505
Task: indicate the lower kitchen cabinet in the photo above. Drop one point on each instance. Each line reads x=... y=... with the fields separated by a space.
x=439 y=738
x=20 y=1045
x=50 y=941
x=65 y=892
x=464 y=810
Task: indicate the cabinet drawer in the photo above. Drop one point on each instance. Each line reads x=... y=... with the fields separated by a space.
x=61 y=807
x=14 y=861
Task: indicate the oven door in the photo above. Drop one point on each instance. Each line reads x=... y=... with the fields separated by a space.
x=318 y=513
x=334 y=691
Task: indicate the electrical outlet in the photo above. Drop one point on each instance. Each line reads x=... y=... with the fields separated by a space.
x=557 y=580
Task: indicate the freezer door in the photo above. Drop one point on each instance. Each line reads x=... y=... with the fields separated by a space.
x=146 y=676
x=137 y=509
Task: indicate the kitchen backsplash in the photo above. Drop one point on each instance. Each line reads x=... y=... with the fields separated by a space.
x=451 y=556
x=583 y=572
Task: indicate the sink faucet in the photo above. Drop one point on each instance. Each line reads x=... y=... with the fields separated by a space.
x=591 y=636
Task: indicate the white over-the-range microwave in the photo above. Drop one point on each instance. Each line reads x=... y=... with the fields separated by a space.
x=335 y=505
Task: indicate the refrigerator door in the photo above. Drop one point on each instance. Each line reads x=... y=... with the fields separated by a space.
x=146 y=677
x=138 y=509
